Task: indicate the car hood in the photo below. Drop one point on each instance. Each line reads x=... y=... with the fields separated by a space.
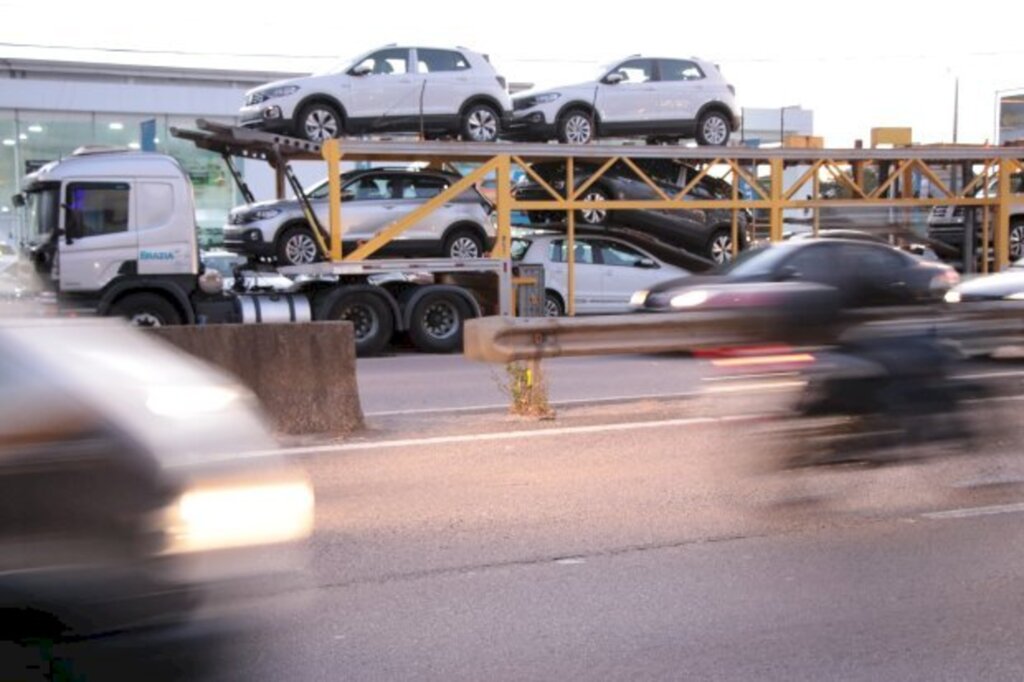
x=302 y=81
x=1000 y=285
x=282 y=204
x=574 y=90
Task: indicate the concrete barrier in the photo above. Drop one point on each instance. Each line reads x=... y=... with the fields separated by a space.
x=303 y=374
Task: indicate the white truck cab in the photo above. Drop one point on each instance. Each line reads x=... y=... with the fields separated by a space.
x=112 y=213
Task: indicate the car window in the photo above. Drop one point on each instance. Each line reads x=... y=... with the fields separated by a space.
x=370 y=188
x=519 y=249
x=680 y=70
x=637 y=70
x=584 y=252
x=871 y=262
x=390 y=62
x=616 y=254
x=430 y=61
x=423 y=187
x=815 y=263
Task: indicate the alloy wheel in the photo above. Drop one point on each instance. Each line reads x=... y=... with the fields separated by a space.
x=464 y=247
x=721 y=248
x=321 y=125
x=578 y=129
x=482 y=125
x=145 y=320
x=715 y=130
x=300 y=249
x=594 y=216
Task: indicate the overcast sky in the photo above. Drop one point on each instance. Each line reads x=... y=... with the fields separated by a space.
x=856 y=65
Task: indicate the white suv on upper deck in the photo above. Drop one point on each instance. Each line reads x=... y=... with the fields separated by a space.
x=391 y=89
x=637 y=96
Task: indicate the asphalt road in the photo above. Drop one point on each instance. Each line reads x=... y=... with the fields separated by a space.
x=649 y=541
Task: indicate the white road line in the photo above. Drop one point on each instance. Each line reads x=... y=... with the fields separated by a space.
x=500 y=435
x=755 y=387
x=556 y=403
x=970 y=512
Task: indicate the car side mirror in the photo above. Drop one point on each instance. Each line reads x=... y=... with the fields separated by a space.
x=348 y=195
x=787 y=273
x=614 y=78
x=361 y=70
x=646 y=263
x=18 y=199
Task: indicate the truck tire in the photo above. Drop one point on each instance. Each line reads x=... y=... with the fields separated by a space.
x=146 y=310
x=371 y=318
x=437 y=322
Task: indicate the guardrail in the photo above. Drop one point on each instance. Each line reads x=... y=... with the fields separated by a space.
x=980 y=329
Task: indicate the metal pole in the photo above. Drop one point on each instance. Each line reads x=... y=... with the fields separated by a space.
x=1002 y=227
x=775 y=224
x=503 y=246
x=331 y=152
x=570 y=305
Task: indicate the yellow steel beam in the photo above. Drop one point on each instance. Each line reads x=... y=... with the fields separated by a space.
x=775 y=212
x=815 y=193
x=643 y=176
x=331 y=152
x=737 y=169
x=696 y=181
x=501 y=163
x=538 y=179
x=570 y=180
x=592 y=179
x=728 y=204
x=894 y=175
x=984 y=229
x=735 y=232
x=811 y=172
x=933 y=179
x=1004 y=206
x=840 y=175
x=979 y=180
x=503 y=242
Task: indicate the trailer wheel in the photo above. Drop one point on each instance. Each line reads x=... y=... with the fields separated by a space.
x=371 y=320
x=146 y=310
x=437 y=322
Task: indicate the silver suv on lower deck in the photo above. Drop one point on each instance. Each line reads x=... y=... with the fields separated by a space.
x=372 y=199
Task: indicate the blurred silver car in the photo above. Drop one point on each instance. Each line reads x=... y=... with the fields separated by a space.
x=372 y=199
x=135 y=516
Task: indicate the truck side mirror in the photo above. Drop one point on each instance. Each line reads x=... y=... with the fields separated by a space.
x=72 y=225
x=18 y=199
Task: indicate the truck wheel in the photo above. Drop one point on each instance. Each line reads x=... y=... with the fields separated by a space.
x=372 y=322
x=437 y=322
x=146 y=310
x=296 y=246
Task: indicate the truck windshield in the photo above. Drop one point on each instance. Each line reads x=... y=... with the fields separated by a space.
x=42 y=204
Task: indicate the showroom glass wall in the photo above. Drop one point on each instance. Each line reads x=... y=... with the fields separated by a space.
x=29 y=139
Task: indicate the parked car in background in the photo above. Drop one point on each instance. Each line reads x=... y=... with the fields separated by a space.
x=863 y=273
x=436 y=91
x=663 y=98
x=607 y=271
x=947 y=224
x=372 y=199
x=707 y=233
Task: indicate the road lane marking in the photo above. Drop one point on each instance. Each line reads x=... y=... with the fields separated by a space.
x=557 y=403
x=970 y=512
x=502 y=435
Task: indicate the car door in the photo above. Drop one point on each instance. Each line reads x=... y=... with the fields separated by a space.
x=679 y=91
x=99 y=233
x=875 y=275
x=587 y=274
x=415 y=190
x=627 y=107
x=625 y=270
x=447 y=80
x=818 y=263
x=387 y=96
x=367 y=205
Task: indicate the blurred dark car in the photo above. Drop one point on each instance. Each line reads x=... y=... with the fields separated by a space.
x=707 y=233
x=864 y=274
x=135 y=530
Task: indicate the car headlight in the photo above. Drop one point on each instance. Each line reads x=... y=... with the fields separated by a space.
x=639 y=298
x=259 y=214
x=689 y=299
x=280 y=91
x=1019 y=296
x=222 y=517
x=953 y=296
x=546 y=97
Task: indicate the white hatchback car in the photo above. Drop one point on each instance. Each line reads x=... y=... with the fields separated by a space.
x=392 y=89
x=651 y=97
x=607 y=271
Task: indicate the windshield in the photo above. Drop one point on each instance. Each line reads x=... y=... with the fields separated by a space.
x=759 y=261
x=320 y=189
x=42 y=205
